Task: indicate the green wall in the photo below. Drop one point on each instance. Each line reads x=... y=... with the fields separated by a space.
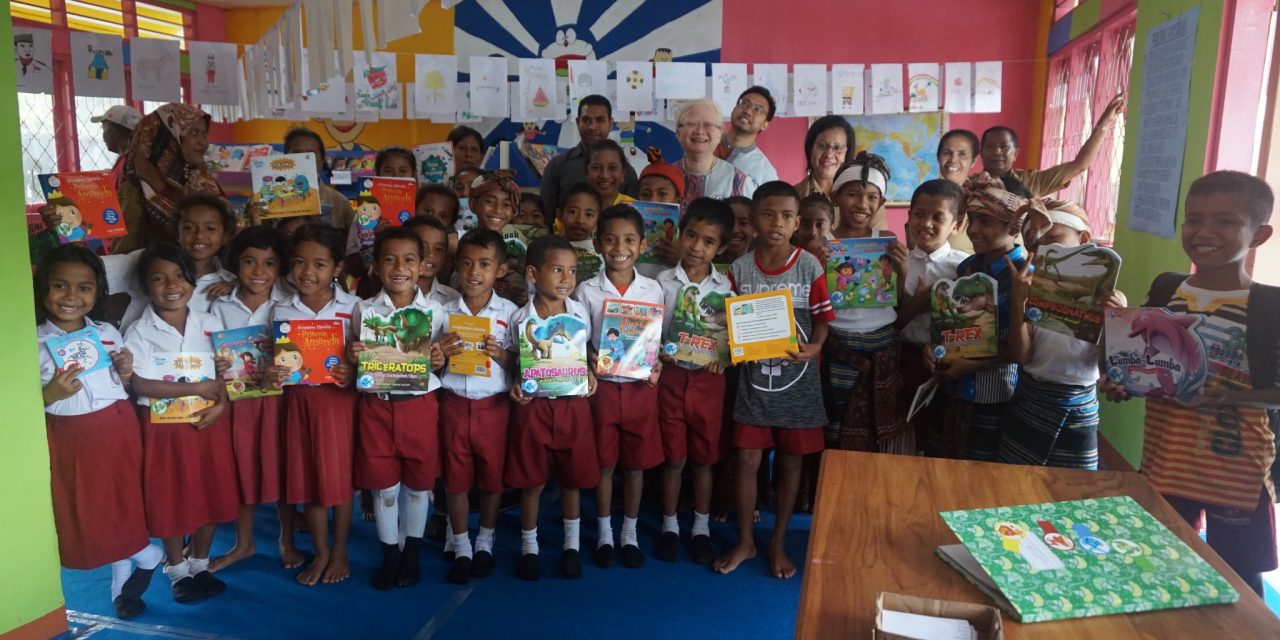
x=1145 y=255
x=28 y=547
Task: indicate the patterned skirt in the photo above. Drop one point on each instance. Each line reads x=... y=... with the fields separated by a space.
x=1052 y=424
x=862 y=384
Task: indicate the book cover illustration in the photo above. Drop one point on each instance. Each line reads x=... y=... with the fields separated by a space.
x=537 y=155
x=83 y=347
x=661 y=222
x=397 y=353
x=467 y=219
x=553 y=356
x=471 y=330
x=630 y=338
x=435 y=161
x=249 y=350
x=88 y=205
x=309 y=349
x=963 y=314
x=180 y=367
x=1086 y=558
x=761 y=326
x=234 y=157
x=699 y=332
x=590 y=263
x=1067 y=288
x=517 y=237
x=287 y=185
x=860 y=273
x=1155 y=353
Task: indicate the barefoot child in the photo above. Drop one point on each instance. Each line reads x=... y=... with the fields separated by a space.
x=95 y=447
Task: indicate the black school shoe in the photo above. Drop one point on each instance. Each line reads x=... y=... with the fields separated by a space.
x=210 y=585
x=460 y=572
x=603 y=556
x=668 y=549
x=128 y=607
x=527 y=567
x=571 y=564
x=632 y=557
x=482 y=564
x=187 y=591
x=701 y=550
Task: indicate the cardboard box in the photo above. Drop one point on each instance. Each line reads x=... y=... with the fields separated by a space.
x=985 y=619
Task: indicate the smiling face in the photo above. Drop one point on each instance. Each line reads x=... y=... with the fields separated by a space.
x=829 y=150
x=201 y=233
x=258 y=270
x=467 y=152
x=815 y=226
x=699 y=130
x=775 y=221
x=931 y=221
x=744 y=231
x=700 y=242
x=313 y=269
x=478 y=268
x=620 y=243
x=579 y=216
x=749 y=115
x=594 y=124
x=1218 y=231
x=169 y=291
x=493 y=210
x=859 y=202
x=999 y=151
x=990 y=235
x=435 y=250
x=604 y=172
x=73 y=291
x=399 y=262
x=955 y=159
x=195 y=142
x=555 y=279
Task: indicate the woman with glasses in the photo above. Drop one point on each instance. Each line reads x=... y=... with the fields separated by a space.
x=829 y=139
x=698 y=127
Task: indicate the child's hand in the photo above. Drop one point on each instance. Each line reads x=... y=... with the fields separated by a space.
x=1113 y=391
x=254 y=212
x=221 y=365
x=273 y=376
x=1115 y=300
x=1113 y=110
x=958 y=368
x=493 y=349
x=654 y=372
x=341 y=375
x=804 y=353
x=50 y=217
x=209 y=389
x=1021 y=279
x=591 y=382
x=437 y=356
x=63 y=385
x=666 y=252
x=898 y=256
x=353 y=350
x=451 y=343
x=210 y=415
x=715 y=367
x=122 y=360
x=219 y=290
x=518 y=396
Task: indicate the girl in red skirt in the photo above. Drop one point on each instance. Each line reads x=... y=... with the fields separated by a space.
x=256 y=255
x=95 y=450
x=188 y=474
x=319 y=420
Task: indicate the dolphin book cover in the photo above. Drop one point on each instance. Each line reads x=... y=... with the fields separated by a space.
x=180 y=367
x=249 y=350
x=397 y=350
x=963 y=314
x=698 y=333
x=309 y=349
x=1156 y=353
x=629 y=340
x=860 y=273
x=553 y=356
x=287 y=185
x=88 y=205
x=1067 y=288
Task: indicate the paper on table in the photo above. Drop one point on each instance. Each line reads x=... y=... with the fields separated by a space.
x=762 y=326
x=914 y=625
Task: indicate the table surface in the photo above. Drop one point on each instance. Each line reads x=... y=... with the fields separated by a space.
x=876 y=525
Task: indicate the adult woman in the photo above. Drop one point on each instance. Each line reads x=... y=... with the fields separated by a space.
x=957 y=151
x=829 y=139
x=468 y=146
x=698 y=127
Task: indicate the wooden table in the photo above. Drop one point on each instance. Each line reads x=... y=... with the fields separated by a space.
x=876 y=524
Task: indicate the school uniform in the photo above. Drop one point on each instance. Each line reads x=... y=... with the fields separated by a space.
x=552 y=430
x=188 y=474
x=95 y=459
x=927 y=268
x=626 y=425
x=319 y=420
x=122 y=277
x=475 y=410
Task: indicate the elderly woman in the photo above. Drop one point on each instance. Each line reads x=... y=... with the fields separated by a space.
x=698 y=127
x=826 y=144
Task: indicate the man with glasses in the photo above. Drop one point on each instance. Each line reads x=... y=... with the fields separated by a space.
x=749 y=119
x=595 y=121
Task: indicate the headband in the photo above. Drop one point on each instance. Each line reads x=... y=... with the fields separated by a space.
x=856 y=172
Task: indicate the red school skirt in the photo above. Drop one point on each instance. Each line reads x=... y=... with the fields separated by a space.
x=188 y=476
x=96 y=461
x=255 y=443
x=319 y=441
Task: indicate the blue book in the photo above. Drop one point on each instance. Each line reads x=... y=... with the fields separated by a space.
x=661 y=222
x=83 y=347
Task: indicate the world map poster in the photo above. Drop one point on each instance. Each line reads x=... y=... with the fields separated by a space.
x=907 y=142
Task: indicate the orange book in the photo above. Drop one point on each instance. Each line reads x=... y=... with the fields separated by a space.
x=87 y=203
x=310 y=349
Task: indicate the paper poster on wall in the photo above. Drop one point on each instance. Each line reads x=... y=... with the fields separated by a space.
x=886 y=88
x=213 y=73
x=809 y=89
x=728 y=81
x=538 y=96
x=635 y=86
x=959 y=87
x=97 y=65
x=328 y=98
x=847 y=94
x=517 y=104
x=435 y=84
x=923 y=86
x=680 y=80
x=375 y=80
x=154 y=73
x=33 y=59
x=986 y=86
x=774 y=78
x=489 y=89
x=464 y=114
x=587 y=77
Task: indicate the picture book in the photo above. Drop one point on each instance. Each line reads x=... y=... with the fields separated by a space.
x=860 y=273
x=88 y=205
x=249 y=350
x=435 y=161
x=553 y=356
x=1067 y=289
x=397 y=350
x=83 y=347
x=1155 y=353
x=234 y=157
x=309 y=349
x=629 y=340
x=963 y=313
x=590 y=263
x=537 y=155
x=467 y=219
x=390 y=199
x=1079 y=559
x=517 y=238
x=762 y=326
x=180 y=367
x=287 y=185
x=698 y=333
x=661 y=222
x=473 y=361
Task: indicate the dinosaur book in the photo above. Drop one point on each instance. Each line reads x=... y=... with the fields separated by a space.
x=86 y=202
x=180 y=367
x=698 y=333
x=397 y=350
x=473 y=361
x=249 y=350
x=553 y=356
x=860 y=273
x=309 y=349
x=661 y=222
x=963 y=313
x=1067 y=289
x=1155 y=353
x=629 y=340
x=286 y=185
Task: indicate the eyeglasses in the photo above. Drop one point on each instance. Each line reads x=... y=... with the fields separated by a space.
x=834 y=148
x=757 y=109
x=703 y=126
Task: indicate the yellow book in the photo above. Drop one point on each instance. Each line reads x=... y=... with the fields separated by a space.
x=473 y=361
x=762 y=326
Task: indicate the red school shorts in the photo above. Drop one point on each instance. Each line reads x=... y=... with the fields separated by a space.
x=691 y=414
x=474 y=441
x=795 y=441
x=398 y=440
x=626 y=422
x=547 y=431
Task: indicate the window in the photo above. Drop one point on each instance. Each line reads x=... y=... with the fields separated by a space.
x=39 y=147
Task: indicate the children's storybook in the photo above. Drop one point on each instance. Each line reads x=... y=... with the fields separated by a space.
x=397 y=350
x=1067 y=289
x=88 y=205
x=435 y=161
x=629 y=340
x=249 y=350
x=309 y=349
x=661 y=222
x=180 y=367
x=537 y=155
x=1155 y=353
x=590 y=263
x=517 y=238
x=860 y=273
x=287 y=185
x=553 y=356
x=234 y=157
x=762 y=326
x=698 y=333
x=963 y=314
x=1079 y=559
x=467 y=219
x=390 y=199
x=472 y=330
x=83 y=347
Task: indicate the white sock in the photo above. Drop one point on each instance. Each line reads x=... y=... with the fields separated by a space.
x=461 y=544
x=670 y=524
x=149 y=557
x=629 y=532
x=604 y=528
x=700 y=522
x=120 y=571
x=417 y=506
x=176 y=572
x=448 y=539
x=571 y=528
x=484 y=540
x=529 y=541
x=198 y=565
x=386 y=514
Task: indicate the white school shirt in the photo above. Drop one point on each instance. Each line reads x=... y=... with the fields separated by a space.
x=339 y=307
x=442 y=294
x=122 y=277
x=151 y=335
x=675 y=279
x=235 y=315
x=499 y=311
x=382 y=304
x=929 y=267
x=1062 y=359
x=595 y=291
x=863 y=320
x=99 y=389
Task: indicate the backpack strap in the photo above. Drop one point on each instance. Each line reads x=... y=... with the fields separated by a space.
x=1262 y=334
x=1163 y=288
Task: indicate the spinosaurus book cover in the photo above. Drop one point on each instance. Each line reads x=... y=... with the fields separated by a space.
x=553 y=356
x=1067 y=288
x=963 y=314
x=860 y=274
x=287 y=185
x=630 y=338
x=1156 y=353
x=309 y=349
x=698 y=333
x=249 y=350
x=397 y=354
x=180 y=367
x=88 y=205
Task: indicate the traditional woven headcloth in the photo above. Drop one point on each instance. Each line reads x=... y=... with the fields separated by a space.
x=1067 y=214
x=986 y=194
x=867 y=167
x=502 y=180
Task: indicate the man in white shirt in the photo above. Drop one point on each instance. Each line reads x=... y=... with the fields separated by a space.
x=749 y=119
